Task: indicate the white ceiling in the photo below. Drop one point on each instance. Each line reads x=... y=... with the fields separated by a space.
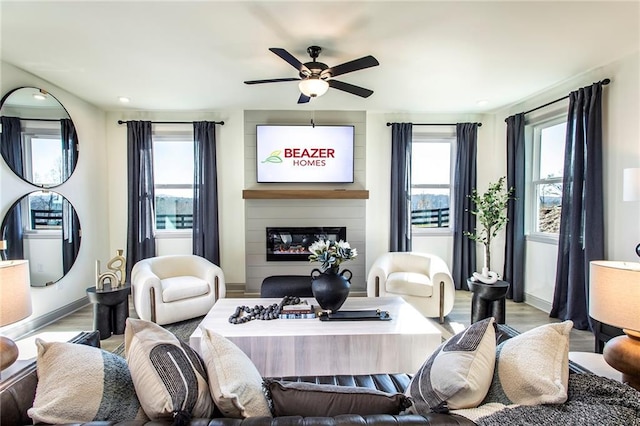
x=195 y=55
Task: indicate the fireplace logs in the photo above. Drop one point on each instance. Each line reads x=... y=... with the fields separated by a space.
x=292 y=244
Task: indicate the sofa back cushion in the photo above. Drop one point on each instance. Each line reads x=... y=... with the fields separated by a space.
x=318 y=400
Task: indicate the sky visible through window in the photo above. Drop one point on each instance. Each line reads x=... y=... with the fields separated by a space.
x=430 y=163
x=173 y=163
x=552 y=143
x=46 y=157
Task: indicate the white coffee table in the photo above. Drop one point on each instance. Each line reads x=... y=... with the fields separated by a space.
x=313 y=347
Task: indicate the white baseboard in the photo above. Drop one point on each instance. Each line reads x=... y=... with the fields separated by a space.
x=32 y=325
x=538 y=303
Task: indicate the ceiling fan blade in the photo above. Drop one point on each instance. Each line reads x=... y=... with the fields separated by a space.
x=273 y=80
x=303 y=99
x=291 y=60
x=350 y=88
x=355 y=65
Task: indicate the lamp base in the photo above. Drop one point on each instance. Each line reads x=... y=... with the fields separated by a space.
x=623 y=354
x=8 y=352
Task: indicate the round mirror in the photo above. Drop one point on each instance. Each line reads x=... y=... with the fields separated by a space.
x=42 y=227
x=38 y=139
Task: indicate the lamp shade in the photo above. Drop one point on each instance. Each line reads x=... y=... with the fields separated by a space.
x=15 y=292
x=631 y=184
x=614 y=293
x=313 y=87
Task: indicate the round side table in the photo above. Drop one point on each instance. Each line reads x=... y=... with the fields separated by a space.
x=110 y=309
x=488 y=300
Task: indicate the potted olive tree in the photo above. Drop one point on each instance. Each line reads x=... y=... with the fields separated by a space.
x=490 y=211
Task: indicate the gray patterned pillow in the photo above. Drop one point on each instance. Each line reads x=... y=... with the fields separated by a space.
x=169 y=376
x=78 y=383
x=458 y=374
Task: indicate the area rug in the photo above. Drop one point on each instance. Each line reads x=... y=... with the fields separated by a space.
x=182 y=331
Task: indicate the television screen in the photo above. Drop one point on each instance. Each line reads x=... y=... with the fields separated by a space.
x=300 y=154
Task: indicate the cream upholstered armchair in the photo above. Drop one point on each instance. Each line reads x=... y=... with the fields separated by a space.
x=172 y=288
x=423 y=280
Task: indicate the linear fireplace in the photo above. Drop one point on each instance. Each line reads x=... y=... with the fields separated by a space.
x=292 y=244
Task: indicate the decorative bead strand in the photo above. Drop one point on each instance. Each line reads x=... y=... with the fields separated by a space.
x=260 y=312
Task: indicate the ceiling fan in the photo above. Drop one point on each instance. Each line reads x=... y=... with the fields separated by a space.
x=316 y=77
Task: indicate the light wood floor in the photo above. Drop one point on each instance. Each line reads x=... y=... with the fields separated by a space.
x=520 y=316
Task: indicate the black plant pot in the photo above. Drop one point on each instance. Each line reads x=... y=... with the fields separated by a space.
x=330 y=288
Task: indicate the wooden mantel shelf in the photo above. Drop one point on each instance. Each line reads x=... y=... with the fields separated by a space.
x=326 y=194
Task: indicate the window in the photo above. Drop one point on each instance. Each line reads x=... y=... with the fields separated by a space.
x=43 y=153
x=432 y=157
x=44 y=212
x=173 y=153
x=546 y=176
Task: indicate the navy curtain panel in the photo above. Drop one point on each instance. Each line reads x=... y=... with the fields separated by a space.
x=13 y=231
x=11 y=148
x=11 y=144
x=515 y=243
x=400 y=217
x=141 y=242
x=581 y=237
x=69 y=147
x=206 y=235
x=464 y=249
x=70 y=235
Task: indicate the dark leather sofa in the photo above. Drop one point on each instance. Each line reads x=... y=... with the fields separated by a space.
x=17 y=395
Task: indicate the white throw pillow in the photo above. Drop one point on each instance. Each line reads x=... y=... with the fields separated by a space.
x=458 y=374
x=169 y=376
x=533 y=367
x=234 y=381
x=79 y=383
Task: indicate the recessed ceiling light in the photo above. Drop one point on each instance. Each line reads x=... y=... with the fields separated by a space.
x=124 y=99
x=482 y=102
x=39 y=96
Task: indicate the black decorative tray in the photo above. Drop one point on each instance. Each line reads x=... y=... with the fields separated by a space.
x=370 y=315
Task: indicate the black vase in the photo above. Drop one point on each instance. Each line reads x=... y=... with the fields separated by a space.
x=330 y=288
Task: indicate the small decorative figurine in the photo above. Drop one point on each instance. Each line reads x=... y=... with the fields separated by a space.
x=116 y=274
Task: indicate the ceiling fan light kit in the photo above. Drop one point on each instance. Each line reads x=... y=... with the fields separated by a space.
x=315 y=78
x=313 y=87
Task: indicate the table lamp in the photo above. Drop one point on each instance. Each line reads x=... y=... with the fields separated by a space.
x=15 y=304
x=614 y=299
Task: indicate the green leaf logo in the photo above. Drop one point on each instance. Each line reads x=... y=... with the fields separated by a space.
x=274 y=157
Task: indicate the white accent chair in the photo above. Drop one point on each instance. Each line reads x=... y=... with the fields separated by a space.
x=172 y=288
x=422 y=280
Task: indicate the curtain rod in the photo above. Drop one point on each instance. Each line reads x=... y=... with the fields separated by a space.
x=604 y=83
x=40 y=119
x=173 y=122
x=433 y=124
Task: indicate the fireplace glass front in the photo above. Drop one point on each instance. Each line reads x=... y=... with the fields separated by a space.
x=292 y=244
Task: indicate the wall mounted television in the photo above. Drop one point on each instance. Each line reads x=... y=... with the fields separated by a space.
x=304 y=153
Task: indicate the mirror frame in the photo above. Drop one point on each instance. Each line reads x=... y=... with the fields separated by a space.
x=32 y=265
x=63 y=179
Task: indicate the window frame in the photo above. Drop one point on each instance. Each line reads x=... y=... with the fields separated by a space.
x=419 y=137
x=533 y=133
x=42 y=130
x=175 y=133
x=27 y=214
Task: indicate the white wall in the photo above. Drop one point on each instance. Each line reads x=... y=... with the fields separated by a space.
x=621 y=149
x=86 y=189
